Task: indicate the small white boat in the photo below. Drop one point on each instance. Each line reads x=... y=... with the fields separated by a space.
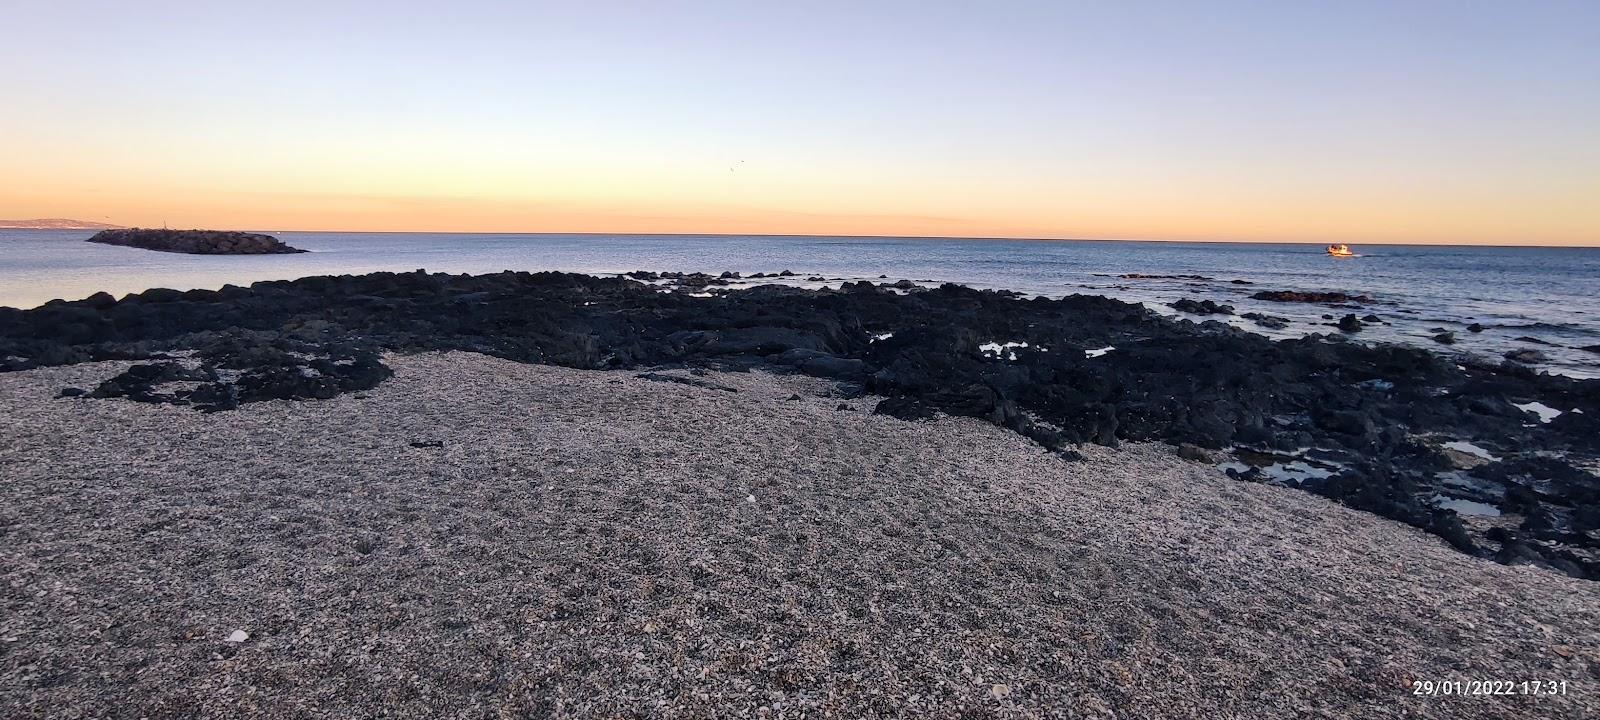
x=1340 y=250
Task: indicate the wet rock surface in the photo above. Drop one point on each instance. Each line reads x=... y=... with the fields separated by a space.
x=1526 y=356
x=195 y=242
x=1368 y=420
x=1201 y=307
x=1274 y=322
x=1333 y=298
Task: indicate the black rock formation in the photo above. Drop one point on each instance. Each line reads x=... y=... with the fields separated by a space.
x=1201 y=307
x=195 y=242
x=1267 y=321
x=1334 y=298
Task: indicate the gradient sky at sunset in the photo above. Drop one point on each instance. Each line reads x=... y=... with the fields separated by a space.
x=1459 y=121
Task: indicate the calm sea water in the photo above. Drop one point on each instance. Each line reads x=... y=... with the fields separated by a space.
x=1551 y=295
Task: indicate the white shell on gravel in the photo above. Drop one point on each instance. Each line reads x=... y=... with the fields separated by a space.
x=238 y=636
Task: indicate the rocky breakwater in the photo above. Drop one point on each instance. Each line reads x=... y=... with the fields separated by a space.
x=196 y=242
x=1377 y=427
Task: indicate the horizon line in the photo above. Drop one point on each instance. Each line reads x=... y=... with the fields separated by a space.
x=1384 y=243
x=1014 y=238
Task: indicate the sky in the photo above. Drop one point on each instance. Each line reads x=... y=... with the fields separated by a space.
x=1460 y=122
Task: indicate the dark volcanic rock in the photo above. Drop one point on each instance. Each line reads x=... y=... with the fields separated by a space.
x=1202 y=307
x=821 y=364
x=1267 y=321
x=254 y=367
x=1445 y=338
x=196 y=242
x=1206 y=384
x=1309 y=297
x=1350 y=323
x=1142 y=276
x=1526 y=356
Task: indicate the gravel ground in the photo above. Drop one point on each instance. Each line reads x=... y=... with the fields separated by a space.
x=593 y=544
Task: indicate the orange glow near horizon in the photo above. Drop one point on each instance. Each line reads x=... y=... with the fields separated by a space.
x=279 y=181
x=1358 y=123
x=1093 y=216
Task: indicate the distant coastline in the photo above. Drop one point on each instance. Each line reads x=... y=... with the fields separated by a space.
x=55 y=224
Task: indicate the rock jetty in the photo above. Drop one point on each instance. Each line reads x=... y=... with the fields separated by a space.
x=196 y=242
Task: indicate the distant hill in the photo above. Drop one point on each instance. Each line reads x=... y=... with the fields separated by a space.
x=54 y=224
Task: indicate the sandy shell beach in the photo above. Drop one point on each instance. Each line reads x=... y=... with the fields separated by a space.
x=572 y=543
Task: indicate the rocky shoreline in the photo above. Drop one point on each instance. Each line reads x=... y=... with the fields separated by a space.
x=1379 y=428
x=195 y=242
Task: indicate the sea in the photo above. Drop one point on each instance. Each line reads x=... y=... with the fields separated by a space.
x=1544 y=299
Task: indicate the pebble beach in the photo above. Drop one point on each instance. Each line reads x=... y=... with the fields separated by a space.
x=478 y=538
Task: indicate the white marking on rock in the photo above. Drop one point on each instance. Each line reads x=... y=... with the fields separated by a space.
x=1470 y=449
x=1099 y=352
x=1545 y=412
x=998 y=349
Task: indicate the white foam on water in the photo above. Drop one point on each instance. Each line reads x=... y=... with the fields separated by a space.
x=1099 y=352
x=881 y=336
x=1545 y=412
x=1470 y=449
